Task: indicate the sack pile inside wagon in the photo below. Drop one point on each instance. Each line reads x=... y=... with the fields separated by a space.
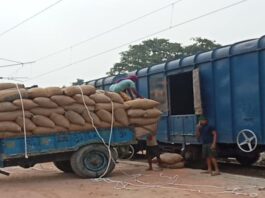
x=55 y=109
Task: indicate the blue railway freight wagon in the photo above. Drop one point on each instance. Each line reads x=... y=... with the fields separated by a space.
x=226 y=84
x=83 y=153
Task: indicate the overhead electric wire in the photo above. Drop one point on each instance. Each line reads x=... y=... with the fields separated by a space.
x=152 y=34
x=5 y=59
x=29 y=18
x=141 y=38
x=16 y=64
x=108 y=31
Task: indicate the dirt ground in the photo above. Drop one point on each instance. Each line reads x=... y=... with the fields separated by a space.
x=129 y=179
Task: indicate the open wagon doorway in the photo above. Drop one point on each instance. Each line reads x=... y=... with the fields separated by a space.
x=181 y=94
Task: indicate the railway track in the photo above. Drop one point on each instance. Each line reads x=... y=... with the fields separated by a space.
x=228 y=166
x=233 y=167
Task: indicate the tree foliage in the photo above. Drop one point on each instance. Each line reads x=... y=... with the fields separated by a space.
x=155 y=51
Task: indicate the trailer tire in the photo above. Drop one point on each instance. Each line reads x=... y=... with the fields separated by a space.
x=64 y=166
x=91 y=161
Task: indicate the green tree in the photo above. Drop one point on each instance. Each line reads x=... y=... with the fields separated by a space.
x=199 y=45
x=147 y=53
x=155 y=51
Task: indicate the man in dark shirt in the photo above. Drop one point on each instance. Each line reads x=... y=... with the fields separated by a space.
x=208 y=137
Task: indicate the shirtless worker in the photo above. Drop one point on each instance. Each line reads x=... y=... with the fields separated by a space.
x=152 y=150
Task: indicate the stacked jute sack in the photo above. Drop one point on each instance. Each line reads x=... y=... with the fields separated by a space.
x=54 y=109
x=171 y=160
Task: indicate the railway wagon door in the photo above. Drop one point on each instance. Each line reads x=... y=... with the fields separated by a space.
x=184 y=104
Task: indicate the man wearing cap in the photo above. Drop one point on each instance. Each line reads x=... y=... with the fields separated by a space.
x=126 y=85
x=208 y=136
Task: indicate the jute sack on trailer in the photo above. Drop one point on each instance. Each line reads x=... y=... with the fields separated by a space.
x=108 y=106
x=100 y=98
x=120 y=115
x=4 y=86
x=124 y=96
x=136 y=113
x=79 y=99
x=142 y=122
x=53 y=91
x=95 y=118
x=78 y=108
x=37 y=92
x=104 y=115
x=76 y=127
x=10 y=95
x=27 y=104
x=47 y=112
x=11 y=116
x=152 y=113
x=142 y=103
x=29 y=125
x=141 y=132
x=7 y=106
x=72 y=90
x=171 y=158
x=60 y=120
x=45 y=102
x=42 y=121
x=104 y=125
x=115 y=97
x=74 y=117
x=9 y=126
x=151 y=127
x=43 y=130
x=62 y=100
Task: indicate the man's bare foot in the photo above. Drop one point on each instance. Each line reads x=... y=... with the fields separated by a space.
x=215 y=174
x=206 y=172
x=149 y=169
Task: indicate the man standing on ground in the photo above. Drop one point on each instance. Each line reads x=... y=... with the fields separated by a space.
x=152 y=150
x=208 y=137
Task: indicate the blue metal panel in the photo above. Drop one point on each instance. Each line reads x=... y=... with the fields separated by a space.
x=143 y=86
x=142 y=72
x=204 y=57
x=157 y=68
x=187 y=61
x=245 y=72
x=109 y=80
x=162 y=132
x=172 y=65
x=223 y=107
x=244 y=47
x=262 y=88
x=60 y=142
x=222 y=52
x=182 y=128
x=207 y=91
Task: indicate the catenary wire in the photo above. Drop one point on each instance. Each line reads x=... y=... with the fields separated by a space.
x=29 y=18
x=107 y=31
x=136 y=40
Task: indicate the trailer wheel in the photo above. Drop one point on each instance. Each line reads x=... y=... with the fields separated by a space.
x=91 y=161
x=64 y=166
x=248 y=160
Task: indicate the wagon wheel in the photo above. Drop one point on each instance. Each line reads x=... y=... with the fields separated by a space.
x=247 y=140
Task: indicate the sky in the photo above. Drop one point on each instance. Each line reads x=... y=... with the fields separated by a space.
x=72 y=21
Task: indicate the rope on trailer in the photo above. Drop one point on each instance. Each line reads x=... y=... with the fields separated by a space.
x=24 y=124
x=101 y=138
